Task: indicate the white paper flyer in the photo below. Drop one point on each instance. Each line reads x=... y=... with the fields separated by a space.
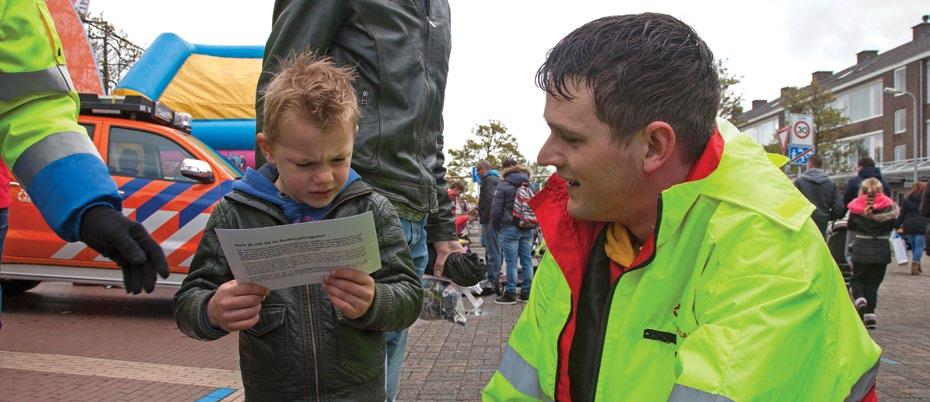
x=278 y=257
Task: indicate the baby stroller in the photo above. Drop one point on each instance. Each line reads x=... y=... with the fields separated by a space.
x=838 y=242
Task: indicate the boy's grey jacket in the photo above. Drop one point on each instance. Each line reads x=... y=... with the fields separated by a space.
x=302 y=347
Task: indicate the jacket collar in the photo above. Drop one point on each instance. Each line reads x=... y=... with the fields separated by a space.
x=746 y=177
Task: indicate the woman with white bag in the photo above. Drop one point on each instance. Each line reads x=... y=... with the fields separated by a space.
x=912 y=225
x=872 y=216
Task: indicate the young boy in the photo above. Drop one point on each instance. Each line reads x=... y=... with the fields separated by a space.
x=316 y=342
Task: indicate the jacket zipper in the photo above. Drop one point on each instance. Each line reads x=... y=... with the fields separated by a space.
x=313 y=350
x=606 y=314
x=610 y=297
x=426 y=57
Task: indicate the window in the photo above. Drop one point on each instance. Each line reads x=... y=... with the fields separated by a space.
x=860 y=146
x=90 y=129
x=900 y=77
x=861 y=103
x=763 y=132
x=900 y=152
x=137 y=153
x=900 y=121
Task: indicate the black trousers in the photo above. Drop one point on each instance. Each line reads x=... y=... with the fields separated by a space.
x=864 y=283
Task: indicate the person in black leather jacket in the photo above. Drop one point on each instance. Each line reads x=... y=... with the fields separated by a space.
x=319 y=341
x=400 y=52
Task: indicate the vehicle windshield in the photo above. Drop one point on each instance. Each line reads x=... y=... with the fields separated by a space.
x=219 y=159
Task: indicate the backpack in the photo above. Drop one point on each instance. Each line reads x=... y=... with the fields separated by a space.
x=523 y=215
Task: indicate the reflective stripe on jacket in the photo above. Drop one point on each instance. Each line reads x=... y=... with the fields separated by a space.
x=49 y=153
x=741 y=300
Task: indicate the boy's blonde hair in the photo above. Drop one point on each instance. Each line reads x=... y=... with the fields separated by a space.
x=310 y=87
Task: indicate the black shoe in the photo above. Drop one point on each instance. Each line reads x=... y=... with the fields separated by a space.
x=869 y=320
x=524 y=297
x=507 y=298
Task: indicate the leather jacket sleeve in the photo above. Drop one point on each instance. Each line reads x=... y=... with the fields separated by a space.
x=297 y=26
x=398 y=294
x=208 y=271
x=440 y=225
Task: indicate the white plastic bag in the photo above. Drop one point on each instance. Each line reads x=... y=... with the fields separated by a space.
x=899 y=248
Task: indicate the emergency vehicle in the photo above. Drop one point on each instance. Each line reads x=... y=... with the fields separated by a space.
x=169 y=180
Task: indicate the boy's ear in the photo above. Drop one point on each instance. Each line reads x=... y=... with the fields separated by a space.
x=265 y=147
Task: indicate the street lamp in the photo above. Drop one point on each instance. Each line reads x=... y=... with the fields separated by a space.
x=895 y=91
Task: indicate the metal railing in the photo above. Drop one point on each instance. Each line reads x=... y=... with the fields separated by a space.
x=893 y=171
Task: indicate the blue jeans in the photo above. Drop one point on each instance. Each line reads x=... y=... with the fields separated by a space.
x=396 y=341
x=918 y=242
x=492 y=252
x=518 y=244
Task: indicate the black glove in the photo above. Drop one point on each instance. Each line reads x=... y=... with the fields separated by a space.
x=111 y=234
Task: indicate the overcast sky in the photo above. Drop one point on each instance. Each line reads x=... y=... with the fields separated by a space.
x=497 y=45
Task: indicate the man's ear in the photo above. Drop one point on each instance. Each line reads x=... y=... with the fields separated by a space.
x=660 y=141
x=265 y=147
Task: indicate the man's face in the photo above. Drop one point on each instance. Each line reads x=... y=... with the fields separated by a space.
x=313 y=165
x=603 y=177
x=481 y=172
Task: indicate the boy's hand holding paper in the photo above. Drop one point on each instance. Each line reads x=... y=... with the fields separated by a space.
x=351 y=291
x=235 y=305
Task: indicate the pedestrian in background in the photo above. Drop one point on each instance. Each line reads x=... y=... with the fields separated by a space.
x=488 y=180
x=865 y=169
x=913 y=225
x=821 y=191
x=4 y=214
x=872 y=216
x=516 y=242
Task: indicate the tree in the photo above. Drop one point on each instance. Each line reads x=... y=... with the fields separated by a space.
x=114 y=54
x=489 y=141
x=730 y=102
x=829 y=123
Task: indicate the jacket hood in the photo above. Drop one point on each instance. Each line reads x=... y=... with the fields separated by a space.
x=516 y=175
x=260 y=184
x=492 y=172
x=880 y=202
x=868 y=172
x=815 y=175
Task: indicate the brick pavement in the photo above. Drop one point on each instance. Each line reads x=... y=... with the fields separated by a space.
x=63 y=342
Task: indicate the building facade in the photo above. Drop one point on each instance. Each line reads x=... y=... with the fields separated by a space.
x=880 y=117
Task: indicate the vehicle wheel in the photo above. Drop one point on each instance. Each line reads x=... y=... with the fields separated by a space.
x=12 y=287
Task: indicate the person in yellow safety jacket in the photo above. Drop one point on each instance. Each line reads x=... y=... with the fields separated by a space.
x=683 y=265
x=52 y=157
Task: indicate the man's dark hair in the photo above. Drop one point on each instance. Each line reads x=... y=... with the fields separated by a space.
x=641 y=68
x=815 y=161
x=484 y=164
x=866 y=162
x=509 y=162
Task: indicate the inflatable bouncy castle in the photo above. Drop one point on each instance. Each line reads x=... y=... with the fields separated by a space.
x=215 y=84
